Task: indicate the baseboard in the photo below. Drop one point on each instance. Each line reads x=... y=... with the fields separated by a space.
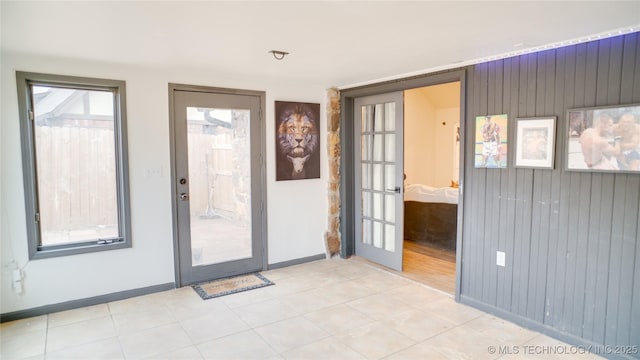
x=297 y=261
x=541 y=328
x=74 y=304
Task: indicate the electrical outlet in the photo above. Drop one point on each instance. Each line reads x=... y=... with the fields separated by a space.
x=500 y=258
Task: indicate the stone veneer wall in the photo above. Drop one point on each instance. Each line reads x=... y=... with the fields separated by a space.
x=332 y=236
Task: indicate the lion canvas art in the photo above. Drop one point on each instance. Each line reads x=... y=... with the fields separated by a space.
x=297 y=141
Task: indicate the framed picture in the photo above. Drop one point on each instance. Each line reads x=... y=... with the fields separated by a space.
x=604 y=139
x=297 y=140
x=535 y=142
x=491 y=141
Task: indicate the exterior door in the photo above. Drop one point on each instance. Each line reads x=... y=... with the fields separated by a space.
x=218 y=185
x=379 y=178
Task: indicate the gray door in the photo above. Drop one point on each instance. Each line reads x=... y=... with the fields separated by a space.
x=218 y=183
x=379 y=178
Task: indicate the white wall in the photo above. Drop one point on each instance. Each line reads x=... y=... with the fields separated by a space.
x=296 y=209
x=418 y=147
x=443 y=140
x=429 y=137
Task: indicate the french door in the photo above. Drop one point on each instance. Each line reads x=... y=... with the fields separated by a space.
x=218 y=182
x=379 y=178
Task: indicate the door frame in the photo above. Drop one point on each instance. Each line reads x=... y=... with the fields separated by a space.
x=174 y=176
x=347 y=161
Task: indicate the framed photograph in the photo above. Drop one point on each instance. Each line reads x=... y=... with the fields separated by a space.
x=535 y=142
x=297 y=140
x=604 y=139
x=491 y=141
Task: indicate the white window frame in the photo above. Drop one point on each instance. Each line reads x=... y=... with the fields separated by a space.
x=25 y=82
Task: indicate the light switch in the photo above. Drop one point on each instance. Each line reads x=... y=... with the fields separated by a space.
x=500 y=258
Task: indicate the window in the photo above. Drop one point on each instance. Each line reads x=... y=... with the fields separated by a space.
x=74 y=156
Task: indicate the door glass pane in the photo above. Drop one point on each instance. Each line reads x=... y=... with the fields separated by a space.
x=377 y=234
x=390 y=116
x=366 y=147
x=366 y=204
x=377 y=177
x=366 y=176
x=377 y=148
x=389 y=237
x=390 y=177
x=76 y=165
x=390 y=208
x=366 y=231
x=378 y=122
x=366 y=119
x=219 y=184
x=390 y=147
x=377 y=206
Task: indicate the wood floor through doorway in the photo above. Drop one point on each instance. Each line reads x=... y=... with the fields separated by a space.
x=430 y=266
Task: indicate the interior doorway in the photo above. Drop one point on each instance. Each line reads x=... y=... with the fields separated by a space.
x=431 y=184
x=355 y=112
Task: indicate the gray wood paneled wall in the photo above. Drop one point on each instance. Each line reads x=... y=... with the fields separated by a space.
x=571 y=238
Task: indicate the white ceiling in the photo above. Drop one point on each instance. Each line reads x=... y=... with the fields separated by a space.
x=340 y=43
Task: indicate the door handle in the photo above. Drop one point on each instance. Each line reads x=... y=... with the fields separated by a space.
x=396 y=189
x=184 y=196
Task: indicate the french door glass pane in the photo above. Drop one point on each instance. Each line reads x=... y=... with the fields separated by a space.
x=389 y=236
x=390 y=147
x=366 y=204
x=219 y=184
x=377 y=148
x=75 y=165
x=390 y=208
x=366 y=176
x=377 y=234
x=390 y=116
x=390 y=177
x=378 y=124
x=377 y=177
x=377 y=206
x=366 y=231
x=366 y=119
x=366 y=147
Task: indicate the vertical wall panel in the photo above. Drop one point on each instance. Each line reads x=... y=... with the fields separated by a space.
x=555 y=273
x=545 y=106
x=570 y=238
x=556 y=308
x=630 y=235
x=581 y=251
x=469 y=252
x=505 y=185
x=468 y=187
x=482 y=98
x=615 y=256
x=536 y=208
x=511 y=195
x=493 y=177
x=489 y=194
x=608 y=244
x=601 y=63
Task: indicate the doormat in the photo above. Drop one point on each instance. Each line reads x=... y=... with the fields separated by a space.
x=236 y=284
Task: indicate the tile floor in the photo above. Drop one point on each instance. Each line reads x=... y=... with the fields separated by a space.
x=328 y=309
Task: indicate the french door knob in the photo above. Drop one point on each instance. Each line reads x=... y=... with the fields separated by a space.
x=184 y=196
